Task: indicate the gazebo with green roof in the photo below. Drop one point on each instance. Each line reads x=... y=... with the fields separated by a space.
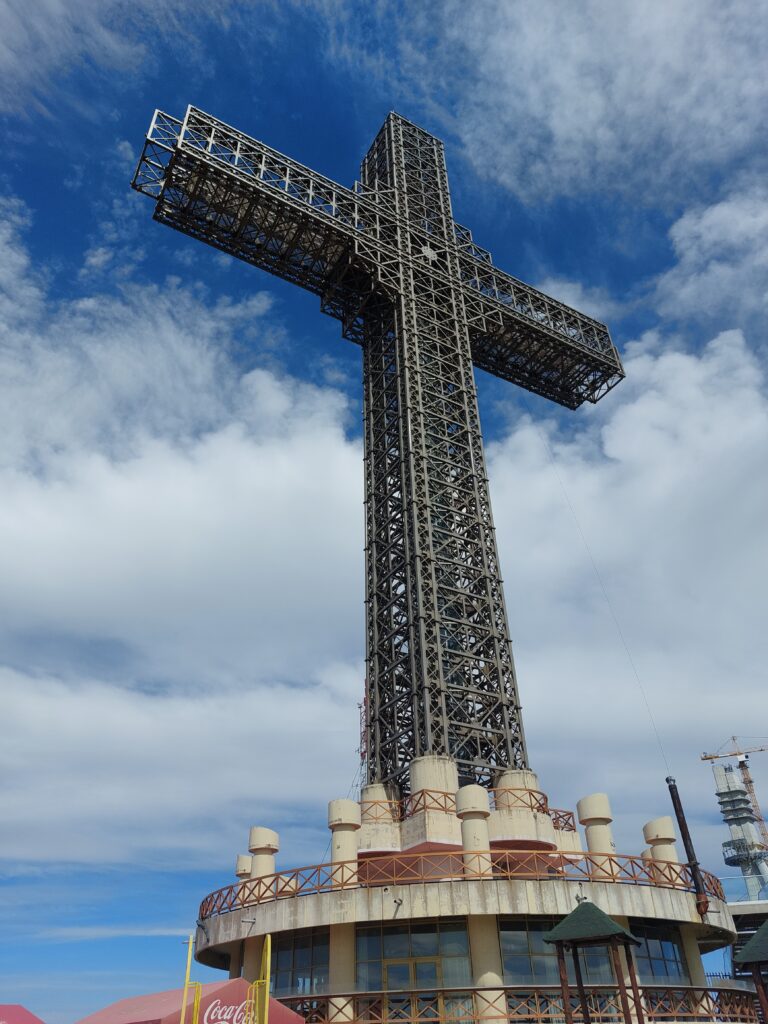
x=586 y=926
x=755 y=955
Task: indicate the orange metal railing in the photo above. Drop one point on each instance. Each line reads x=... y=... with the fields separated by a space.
x=542 y=1005
x=377 y=811
x=410 y=868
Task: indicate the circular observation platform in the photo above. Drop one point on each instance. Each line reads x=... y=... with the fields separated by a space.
x=450 y=927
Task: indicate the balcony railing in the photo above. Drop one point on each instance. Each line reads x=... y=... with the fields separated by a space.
x=525 y=1005
x=412 y=868
x=377 y=811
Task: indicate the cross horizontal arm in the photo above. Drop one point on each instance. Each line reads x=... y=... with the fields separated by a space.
x=237 y=194
x=524 y=336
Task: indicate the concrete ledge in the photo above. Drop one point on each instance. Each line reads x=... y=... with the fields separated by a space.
x=458 y=898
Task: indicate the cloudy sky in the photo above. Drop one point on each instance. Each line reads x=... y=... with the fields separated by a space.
x=181 y=530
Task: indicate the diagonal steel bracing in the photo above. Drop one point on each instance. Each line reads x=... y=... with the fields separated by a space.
x=426 y=304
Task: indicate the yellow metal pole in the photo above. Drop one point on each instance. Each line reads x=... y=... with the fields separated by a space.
x=190 y=944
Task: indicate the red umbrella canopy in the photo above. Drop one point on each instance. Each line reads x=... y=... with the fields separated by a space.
x=13 y=1013
x=222 y=1002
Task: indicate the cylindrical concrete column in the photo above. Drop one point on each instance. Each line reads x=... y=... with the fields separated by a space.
x=243 y=865
x=344 y=823
x=236 y=960
x=473 y=810
x=594 y=812
x=341 y=972
x=252 y=950
x=380 y=817
x=692 y=954
x=263 y=844
x=487 y=967
x=660 y=836
x=522 y=813
x=434 y=772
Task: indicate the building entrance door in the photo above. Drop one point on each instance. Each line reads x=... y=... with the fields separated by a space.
x=419 y=980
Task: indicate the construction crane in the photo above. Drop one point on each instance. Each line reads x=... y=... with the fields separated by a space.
x=742 y=756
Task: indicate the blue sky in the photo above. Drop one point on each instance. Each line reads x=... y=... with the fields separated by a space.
x=181 y=529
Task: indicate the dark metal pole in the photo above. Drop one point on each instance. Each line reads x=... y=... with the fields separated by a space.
x=702 y=900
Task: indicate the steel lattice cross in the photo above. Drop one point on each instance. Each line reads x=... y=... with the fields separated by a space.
x=425 y=303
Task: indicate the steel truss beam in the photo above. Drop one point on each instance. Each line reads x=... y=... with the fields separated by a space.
x=408 y=284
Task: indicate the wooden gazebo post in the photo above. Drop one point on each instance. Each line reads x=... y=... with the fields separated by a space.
x=564 y=986
x=755 y=955
x=636 y=997
x=588 y=926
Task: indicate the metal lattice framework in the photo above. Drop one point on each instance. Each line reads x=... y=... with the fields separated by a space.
x=408 y=284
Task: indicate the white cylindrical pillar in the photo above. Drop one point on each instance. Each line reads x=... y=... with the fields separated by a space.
x=660 y=836
x=594 y=812
x=341 y=972
x=344 y=823
x=263 y=844
x=252 y=950
x=434 y=773
x=692 y=954
x=236 y=960
x=473 y=810
x=487 y=968
x=380 y=817
x=243 y=865
x=522 y=812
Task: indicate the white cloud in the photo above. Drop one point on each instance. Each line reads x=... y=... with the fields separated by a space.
x=721 y=261
x=570 y=98
x=595 y=301
x=667 y=480
x=171 y=524
x=51 y=37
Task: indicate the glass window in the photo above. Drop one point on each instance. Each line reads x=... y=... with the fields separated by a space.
x=395 y=942
x=528 y=959
x=300 y=962
x=423 y=954
x=514 y=938
x=456 y=971
x=659 y=957
x=453 y=938
x=369 y=943
x=424 y=940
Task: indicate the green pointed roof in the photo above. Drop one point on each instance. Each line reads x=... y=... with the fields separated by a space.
x=587 y=923
x=756 y=950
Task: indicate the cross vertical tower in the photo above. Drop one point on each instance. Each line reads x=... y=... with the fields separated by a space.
x=440 y=670
x=426 y=304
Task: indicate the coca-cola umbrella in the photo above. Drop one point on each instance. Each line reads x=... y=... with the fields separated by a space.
x=221 y=1002
x=15 y=1013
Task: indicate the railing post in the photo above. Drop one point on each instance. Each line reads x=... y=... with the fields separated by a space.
x=263 y=844
x=344 y=823
x=594 y=812
x=660 y=836
x=473 y=810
